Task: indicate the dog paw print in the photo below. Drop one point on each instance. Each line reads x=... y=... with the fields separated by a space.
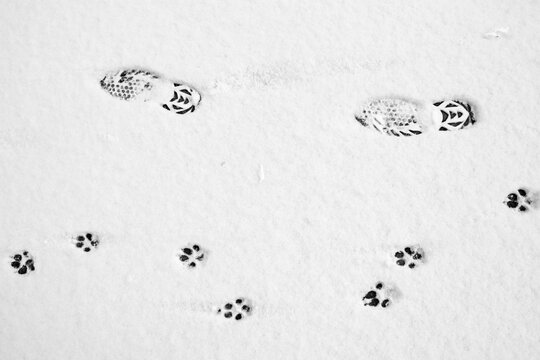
x=87 y=242
x=378 y=295
x=410 y=256
x=23 y=262
x=192 y=255
x=519 y=200
x=236 y=310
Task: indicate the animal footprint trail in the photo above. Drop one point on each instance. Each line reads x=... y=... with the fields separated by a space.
x=141 y=85
x=380 y=294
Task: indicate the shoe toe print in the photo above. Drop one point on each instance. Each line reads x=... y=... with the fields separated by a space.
x=192 y=255
x=131 y=84
x=379 y=294
x=237 y=309
x=23 y=262
x=520 y=200
x=392 y=117
x=87 y=241
x=452 y=115
x=410 y=256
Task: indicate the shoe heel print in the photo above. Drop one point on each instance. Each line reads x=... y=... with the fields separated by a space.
x=409 y=256
x=141 y=85
x=184 y=99
x=452 y=115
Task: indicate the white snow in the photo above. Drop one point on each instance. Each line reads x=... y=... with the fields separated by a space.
x=281 y=81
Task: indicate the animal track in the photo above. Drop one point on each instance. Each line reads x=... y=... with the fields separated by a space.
x=237 y=310
x=453 y=115
x=392 y=117
x=87 y=242
x=23 y=262
x=520 y=200
x=410 y=256
x=378 y=295
x=191 y=255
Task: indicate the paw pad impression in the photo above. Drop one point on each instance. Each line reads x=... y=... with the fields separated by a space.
x=23 y=262
x=519 y=200
x=392 y=117
x=410 y=256
x=378 y=295
x=236 y=310
x=192 y=255
x=452 y=115
x=87 y=242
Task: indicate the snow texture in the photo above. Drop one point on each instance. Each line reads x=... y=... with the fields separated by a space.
x=280 y=83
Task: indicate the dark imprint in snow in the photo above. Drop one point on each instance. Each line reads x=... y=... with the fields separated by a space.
x=520 y=200
x=378 y=295
x=410 y=256
x=87 y=242
x=237 y=310
x=192 y=255
x=23 y=262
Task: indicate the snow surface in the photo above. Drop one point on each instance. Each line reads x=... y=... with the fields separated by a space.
x=297 y=204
